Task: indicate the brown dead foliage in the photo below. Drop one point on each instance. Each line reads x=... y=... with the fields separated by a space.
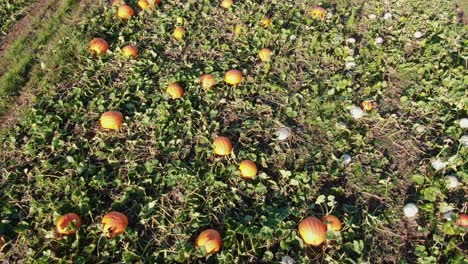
x=394 y=140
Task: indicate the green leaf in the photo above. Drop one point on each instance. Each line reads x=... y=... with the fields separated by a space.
x=418 y=179
x=129 y=256
x=261 y=189
x=89 y=248
x=320 y=199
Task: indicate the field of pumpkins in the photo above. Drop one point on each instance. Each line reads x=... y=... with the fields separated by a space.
x=243 y=132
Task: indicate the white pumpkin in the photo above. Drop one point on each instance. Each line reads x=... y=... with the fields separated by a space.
x=356 y=112
x=418 y=34
x=463 y=123
x=438 y=164
x=283 y=133
x=410 y=210
x=346 y=159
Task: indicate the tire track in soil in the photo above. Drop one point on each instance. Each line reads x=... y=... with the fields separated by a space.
x=27 y=27
x=22 y=28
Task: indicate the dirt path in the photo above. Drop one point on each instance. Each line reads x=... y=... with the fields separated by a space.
x=25 y=27
x=22 y=26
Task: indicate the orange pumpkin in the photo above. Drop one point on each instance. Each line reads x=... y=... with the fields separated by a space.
x=114 y=223
x=462 y=220
x=233 y=77
x=68 y=224
x=155 y=2
x=367 y=105
x=179 y=33
x=143 y=4
x=210 y=239
x=175 y=90
x=248 y=169
x=265 y=22
x=130 y=51
x=227 y=3
x=318 y=13
x=98 y=46
x=207 y=81
x=111 y=120
x=222 y=146
x=313 y=231
x=125 y=12
x=265 y=54
x=332 y=222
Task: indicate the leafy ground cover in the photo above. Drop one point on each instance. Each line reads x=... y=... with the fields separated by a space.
x=407 y=57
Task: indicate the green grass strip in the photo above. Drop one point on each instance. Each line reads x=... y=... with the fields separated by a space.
x=22 y=55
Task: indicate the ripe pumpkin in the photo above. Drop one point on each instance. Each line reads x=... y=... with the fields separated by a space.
x=68 y=224
x=367 y=105
x=111 y=120
x=98 y=46
x=125 y=12
x=233 y=77
x=265 y=22
x=265 y=54
x=143 y=4
x=179 y=33
x=207 y=81
x=462 y=220
x=175 y=90
x=222 y=146
x=332 y=222
x=318 y=13
x=114 y=223
x=313 y=231
x=130 y=51
x=248 y=169
x=210 y=239
x=227 y=3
